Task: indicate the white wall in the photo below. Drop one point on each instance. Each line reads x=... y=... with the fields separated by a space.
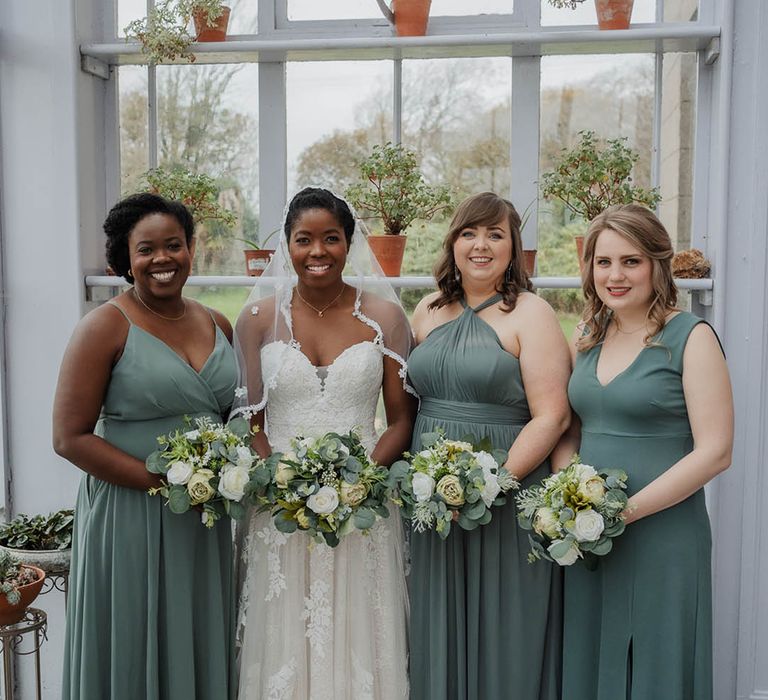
x=51 y=144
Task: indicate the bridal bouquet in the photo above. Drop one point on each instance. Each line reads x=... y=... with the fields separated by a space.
x=574 y=514
x=211 y=465
x=449 y=480
x=327 y=486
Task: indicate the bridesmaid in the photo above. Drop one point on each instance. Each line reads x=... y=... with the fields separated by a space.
x=651 y=392
x=150 y=611
x=491 y=361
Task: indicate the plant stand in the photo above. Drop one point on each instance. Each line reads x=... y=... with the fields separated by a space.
x=36 y=621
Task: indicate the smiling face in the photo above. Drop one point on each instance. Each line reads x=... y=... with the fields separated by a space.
x=318 y=248
x=622 y=273
x=159 y=255
x=483 y=253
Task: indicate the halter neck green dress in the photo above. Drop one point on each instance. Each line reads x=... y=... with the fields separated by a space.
x=639 y=627
x=485 y=624
x=151 y=601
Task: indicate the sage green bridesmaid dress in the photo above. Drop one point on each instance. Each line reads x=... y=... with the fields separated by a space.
x=151 y=601
x=639 y=626
x=485 y=624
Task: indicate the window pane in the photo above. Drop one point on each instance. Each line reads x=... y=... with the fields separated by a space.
x=642 y=11
x=243 y=19
x=355 y=9
x=612 y=96
x=207 y=123
x=127 y=11
x=134 y=153
x=336 y=112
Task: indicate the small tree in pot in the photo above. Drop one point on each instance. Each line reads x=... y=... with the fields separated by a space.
x=394 y=191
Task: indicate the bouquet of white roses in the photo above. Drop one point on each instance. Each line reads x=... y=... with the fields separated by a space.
x=574 y=514
x=211 y=465
x=451 y=479
x=326 y=486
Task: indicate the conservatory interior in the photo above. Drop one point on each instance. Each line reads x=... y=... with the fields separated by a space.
x=299 y=93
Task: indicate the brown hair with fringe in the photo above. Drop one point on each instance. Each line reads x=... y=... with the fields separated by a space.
x=484 y=209
x=642 y=229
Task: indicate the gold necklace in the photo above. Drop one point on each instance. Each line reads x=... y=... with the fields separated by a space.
x=320 y=312
x=619 y=330
x=152 y=311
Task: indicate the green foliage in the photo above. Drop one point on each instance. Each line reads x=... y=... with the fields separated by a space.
x=13 y=575
x=394 y=190
x=197 y=191
x=163 y=32
x=593 y=175
x=570 y=4
x=39 y=532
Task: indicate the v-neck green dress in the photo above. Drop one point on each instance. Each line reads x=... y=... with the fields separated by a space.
x=485 y=624
x=639 y=627
x=151 y=601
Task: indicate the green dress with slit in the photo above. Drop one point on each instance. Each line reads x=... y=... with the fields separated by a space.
x=639 y=626
x=151 y=601
x=484 y=624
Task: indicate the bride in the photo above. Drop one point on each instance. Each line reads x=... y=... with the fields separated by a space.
x=316 y=622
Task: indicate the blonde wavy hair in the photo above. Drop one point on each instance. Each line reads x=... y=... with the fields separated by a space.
x=642 y=229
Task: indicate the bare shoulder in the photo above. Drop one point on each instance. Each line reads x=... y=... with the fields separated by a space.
x=703 y=338
x=531 y=304
x=222 y=322
x=101 y=332
x=422 y=308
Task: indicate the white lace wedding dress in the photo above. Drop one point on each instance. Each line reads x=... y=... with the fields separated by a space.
x=319 y=623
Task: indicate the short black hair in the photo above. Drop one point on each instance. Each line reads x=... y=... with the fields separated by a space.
x=124 y=216
x=318 y=198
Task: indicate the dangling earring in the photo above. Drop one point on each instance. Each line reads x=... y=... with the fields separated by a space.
x=456 y=273
x=508 y=274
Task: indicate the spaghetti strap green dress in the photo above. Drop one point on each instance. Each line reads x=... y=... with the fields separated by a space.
x=639 y=626
x=484 y=623
x=150 y=612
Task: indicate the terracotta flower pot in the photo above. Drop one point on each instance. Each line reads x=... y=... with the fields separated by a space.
x=256 y=261
x=411 y=16
x=216 y=33
x=11 y=614
x=613 y=14
x=580 y=251
x=530 y=261
x=389 y=251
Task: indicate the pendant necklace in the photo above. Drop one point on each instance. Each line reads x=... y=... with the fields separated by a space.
x=152 y=311
x=320 y=312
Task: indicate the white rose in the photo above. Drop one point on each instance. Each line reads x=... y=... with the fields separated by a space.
x=486 y=462
x=589 y=525
x=570 y=556
x=426 y=454
x=232 y=483
x=192 y=435
x=283 y=474
x=584 y=472
x=423 y=486
x=545 y=522
x=179 y=473
x=325 y=501
x=593 y=490
x=244 y=457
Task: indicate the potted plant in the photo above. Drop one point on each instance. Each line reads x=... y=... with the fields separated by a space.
x=593 y=175
x=409 y=17
x=198 y=191
x=20 y=584
x=611 y=14
x=394 y=190
x=257 y=256
x=163 y=33
x=40 y=541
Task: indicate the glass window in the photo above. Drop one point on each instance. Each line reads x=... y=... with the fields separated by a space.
x=207 y=123
x=354 y=9
x=127 y=11
x=584 y=14
x=134 y=148
x=336 y=111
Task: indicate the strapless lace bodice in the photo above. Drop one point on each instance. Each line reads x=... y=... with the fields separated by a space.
x=301 y=403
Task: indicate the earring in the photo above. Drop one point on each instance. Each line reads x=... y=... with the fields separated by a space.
x=456 y=273
x=508 y=274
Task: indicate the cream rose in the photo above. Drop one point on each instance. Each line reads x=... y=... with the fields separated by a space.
x=283 y=474
x=584 y=472
x=569 y=557
x=588 y=526
x=459 y=445
x=244 y=457
x=423 y=486
x=353 y=494
x=199 y=487
x=179 y=473
x=593 y=489
x=233 y=482
x=449 y=487
x=325 y=501
x=545 y=522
